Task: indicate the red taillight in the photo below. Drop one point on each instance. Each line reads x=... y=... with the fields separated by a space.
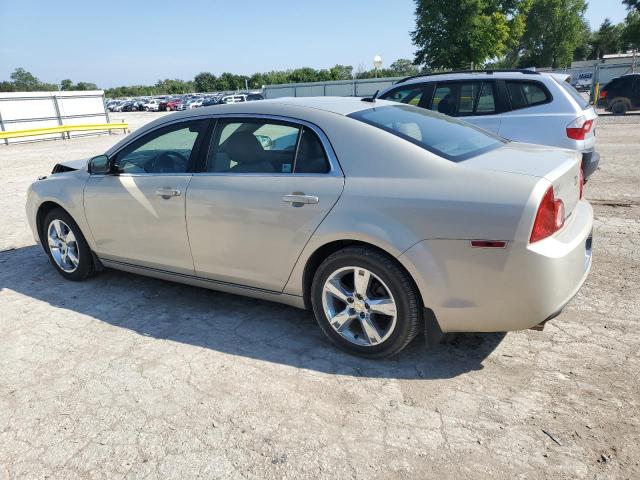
x=549 y=218
x=579 y=128
x=581 y=184
x=603 y=94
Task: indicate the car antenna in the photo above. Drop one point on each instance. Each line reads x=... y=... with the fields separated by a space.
x=371 y=99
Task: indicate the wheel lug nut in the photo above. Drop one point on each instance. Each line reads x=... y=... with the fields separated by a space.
x=352 y=311
x=362 y=315
x=350 y=299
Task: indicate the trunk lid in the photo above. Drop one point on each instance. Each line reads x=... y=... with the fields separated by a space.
x=559 y=166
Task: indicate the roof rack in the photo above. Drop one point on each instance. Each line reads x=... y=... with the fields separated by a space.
x=507 y=70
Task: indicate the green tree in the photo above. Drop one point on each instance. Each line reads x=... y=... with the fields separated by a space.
x=341 y=72
x=226 y=81
x=6 y=86
x=585 y=41
x=553 y=31
x=66 y=84
x=606 y=40
x=632 y=4
x=457 y=34
x=24 y=81
x=205 y=82
x=85 y=86
x=631 y=31
x=403 y=67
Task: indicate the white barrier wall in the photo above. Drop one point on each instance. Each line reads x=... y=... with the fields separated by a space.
x=26 y=110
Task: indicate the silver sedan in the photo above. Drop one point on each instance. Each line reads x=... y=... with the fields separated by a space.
x=385 y=219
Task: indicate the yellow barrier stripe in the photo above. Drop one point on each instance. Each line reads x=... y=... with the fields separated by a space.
x=64 y=129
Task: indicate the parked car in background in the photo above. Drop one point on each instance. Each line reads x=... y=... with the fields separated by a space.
x=521 y=105
x=583 y=81
x=621 y=95
x=236 y=98
x=115 y=105
x=195 y=103
x=251 y=97
x=129 y=106
x=214 y=100
x=169 y=104
x=380 y=217
x=152 y=105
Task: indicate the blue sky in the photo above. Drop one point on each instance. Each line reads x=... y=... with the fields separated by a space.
x=129 y=42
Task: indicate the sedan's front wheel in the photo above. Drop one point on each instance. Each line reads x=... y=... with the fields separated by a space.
x=66 y=246
x=365 y=303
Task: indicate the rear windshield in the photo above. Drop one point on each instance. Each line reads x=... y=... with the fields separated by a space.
x=439 y=134
x=574 y=94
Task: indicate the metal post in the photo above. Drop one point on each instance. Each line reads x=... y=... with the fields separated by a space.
x=6 y=140
x=106 y=111
x=57 y=108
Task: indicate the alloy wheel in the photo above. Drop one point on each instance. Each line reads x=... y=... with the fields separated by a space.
x=359 y=306
x=63 y=246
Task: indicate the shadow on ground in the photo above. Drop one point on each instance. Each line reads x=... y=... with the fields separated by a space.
x=228 y=323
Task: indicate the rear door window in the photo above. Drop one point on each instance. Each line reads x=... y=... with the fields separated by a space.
x=487 y=100
x=444 y=99
x=526 y=94
x=256 y=146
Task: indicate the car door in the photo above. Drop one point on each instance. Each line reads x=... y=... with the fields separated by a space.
x=477 y=104
x=472 y=101
x=137 y=213
x=265 y=187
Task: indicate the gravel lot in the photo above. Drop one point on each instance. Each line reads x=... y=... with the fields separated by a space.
x=128 y=377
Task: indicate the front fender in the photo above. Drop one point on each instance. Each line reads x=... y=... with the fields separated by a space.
x=65 y=189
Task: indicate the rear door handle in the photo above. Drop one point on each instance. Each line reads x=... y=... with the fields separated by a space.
x=299 y=199
x=168 y=192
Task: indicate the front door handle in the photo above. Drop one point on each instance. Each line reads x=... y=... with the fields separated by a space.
x=168 y=192
x=300 y=199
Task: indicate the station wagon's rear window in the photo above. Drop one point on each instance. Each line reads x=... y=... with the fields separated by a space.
x=444 y=136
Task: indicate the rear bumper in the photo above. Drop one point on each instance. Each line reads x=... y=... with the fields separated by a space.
x=590 y=162
x=496 y=290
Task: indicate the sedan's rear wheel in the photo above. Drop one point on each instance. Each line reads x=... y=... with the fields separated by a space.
x=365 y=303
x=66 y=246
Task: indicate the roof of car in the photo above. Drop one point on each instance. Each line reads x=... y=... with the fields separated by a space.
x=300 y=108
x=513 y=74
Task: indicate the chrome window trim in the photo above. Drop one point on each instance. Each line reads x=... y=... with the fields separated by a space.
x=335 y=170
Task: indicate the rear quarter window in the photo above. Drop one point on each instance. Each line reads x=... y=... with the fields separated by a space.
x=580 y=100
x=524 y=94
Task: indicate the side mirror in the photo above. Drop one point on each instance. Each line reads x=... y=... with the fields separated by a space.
x=100 y=165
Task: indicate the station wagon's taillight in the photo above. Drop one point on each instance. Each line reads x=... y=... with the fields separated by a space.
x=549 y=218
x=579 y=128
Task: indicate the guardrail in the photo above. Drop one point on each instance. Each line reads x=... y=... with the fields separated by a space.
x=31 y=132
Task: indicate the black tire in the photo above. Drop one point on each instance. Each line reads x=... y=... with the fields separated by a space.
x=408 y=304
x=85 y=267
x=619 y=108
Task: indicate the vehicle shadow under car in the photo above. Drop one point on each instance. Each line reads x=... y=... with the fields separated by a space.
x=229 y=323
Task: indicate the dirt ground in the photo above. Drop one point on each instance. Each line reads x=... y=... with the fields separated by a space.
x=129 y=377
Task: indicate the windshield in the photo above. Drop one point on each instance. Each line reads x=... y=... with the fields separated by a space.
x=439 y=134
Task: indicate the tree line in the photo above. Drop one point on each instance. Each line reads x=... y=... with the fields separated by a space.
x=516 y=33
x=23 y=81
